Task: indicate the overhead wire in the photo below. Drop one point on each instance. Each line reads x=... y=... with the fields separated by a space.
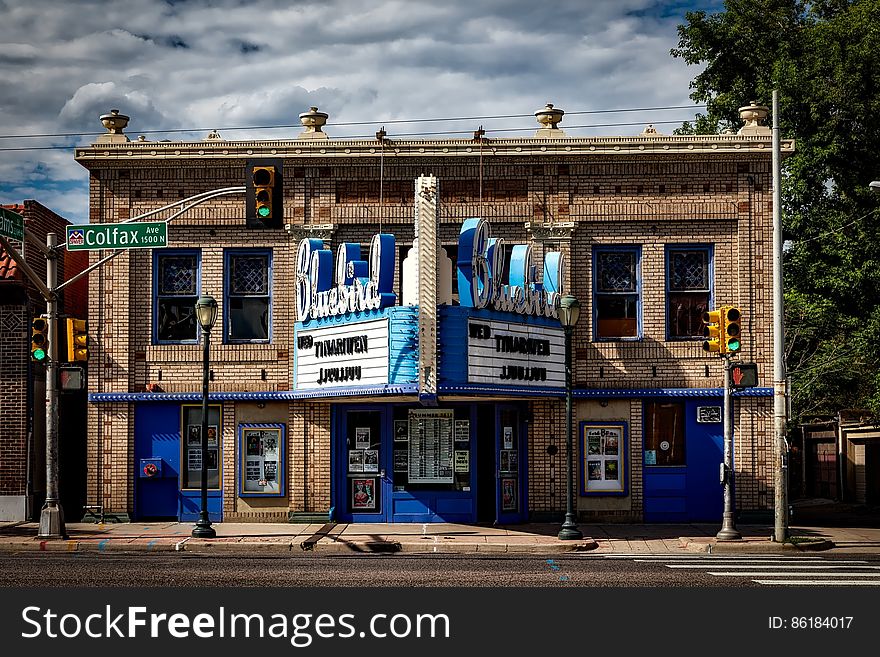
x=354 y=123
x=403 y=134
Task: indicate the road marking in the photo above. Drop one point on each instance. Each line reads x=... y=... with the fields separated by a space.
x=761 y=574
x=684 y=563
x=687 y=557
x=781 y=565
x=103 y=544
x=150 y=545
x=816 y=582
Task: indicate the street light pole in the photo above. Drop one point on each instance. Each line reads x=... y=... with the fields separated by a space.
x=52 y=515
x=206 y=312
x=569 y=312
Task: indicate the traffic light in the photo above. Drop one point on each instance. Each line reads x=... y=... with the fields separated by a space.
x=77 y=340
x=712 y=331
x=40 y=339
x=731 y=339
x=264 y=196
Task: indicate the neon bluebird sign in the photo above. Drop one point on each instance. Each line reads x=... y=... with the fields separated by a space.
x=481 y=270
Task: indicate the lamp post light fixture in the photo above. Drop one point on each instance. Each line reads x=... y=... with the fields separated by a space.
x=874 y=185
x=206 y=313
x=569 y=313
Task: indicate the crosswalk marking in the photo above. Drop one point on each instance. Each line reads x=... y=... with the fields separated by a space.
x=768 y=570
x=780 y=565
x=763 y=574
x=816 y=582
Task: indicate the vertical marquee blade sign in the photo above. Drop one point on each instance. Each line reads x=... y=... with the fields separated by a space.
x=142 y=235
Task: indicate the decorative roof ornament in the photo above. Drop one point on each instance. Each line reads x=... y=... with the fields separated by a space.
x=650 y=131
x=753 y=116
x=549 y=118
x=115 y=124
x=313 y=120
x=214 y=136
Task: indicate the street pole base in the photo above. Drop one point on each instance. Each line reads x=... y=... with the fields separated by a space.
x=202 y=530
x=728 y=530
x=52 y=521
x=569 y=531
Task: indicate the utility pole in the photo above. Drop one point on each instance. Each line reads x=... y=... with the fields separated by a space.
x=52 y=515
x=780 y=447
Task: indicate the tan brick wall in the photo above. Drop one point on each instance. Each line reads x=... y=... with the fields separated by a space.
x=645 y=198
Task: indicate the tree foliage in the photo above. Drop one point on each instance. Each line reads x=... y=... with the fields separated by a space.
x=823 y=57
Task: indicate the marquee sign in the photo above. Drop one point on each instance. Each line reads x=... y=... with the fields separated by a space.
x=358 y=284
x=481 y=271
x=354 y=354
x=506 y=353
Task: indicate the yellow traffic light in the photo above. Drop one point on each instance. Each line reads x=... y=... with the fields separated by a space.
x=40 y=339
x=712 y=331
x=77 y=340
x=731 y=336
x=264 y=196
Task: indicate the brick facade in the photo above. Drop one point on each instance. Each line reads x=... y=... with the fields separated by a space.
x=647 y=191
x=22 y=385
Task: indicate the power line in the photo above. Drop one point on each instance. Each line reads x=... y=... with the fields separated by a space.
x=402 y=134
x=355 y=123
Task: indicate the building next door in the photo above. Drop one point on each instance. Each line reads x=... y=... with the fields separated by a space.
x=510 y=442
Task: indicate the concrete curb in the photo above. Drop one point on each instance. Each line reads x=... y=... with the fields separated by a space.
x=713 y=546
x=326 y=546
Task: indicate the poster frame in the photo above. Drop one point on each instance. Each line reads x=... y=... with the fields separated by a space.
x=591 y=487
x=281 y=474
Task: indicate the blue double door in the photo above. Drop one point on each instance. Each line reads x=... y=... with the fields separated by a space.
x=166 y=481
x=683 y=449
x=461 y=463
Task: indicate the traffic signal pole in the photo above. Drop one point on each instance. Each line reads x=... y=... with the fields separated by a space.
x=52 y=515
x=728 y=523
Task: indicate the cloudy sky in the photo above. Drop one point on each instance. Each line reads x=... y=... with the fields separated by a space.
x=180 y=65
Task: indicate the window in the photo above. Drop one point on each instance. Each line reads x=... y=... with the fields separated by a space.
x=176 y=281
x=191 y=446
x=687 y=291
x=664 y=433
x=616 y=297
x=248 y=296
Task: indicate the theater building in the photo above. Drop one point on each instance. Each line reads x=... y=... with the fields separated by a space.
x=390 y=350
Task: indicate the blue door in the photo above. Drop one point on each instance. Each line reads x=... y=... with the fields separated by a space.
x=683 y=447
x=510 y=450
x=363 y=487
x=156 y=461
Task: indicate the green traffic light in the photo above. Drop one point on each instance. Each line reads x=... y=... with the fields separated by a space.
x=733 y=344
x=39 y=355
x=264 y=211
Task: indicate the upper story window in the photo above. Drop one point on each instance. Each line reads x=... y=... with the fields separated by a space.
x=688 y=290
x=176 y=289
x=616 y=289
x=248 y=295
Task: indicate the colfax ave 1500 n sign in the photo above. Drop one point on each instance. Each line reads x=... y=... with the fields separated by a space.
x=143 y=235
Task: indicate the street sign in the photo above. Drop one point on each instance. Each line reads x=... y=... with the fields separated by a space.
x=743 y=375
x=143 y=235
x=11 y=225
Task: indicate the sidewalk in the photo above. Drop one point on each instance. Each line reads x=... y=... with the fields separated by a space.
x=440 y=538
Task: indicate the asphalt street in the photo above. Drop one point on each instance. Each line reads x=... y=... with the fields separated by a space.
x=579 y=570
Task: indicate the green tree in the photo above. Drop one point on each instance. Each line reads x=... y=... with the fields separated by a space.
x=823 y=57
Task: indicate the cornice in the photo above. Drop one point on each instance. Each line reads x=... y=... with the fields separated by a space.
x=363 y=148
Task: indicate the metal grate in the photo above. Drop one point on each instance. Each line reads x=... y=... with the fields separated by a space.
x=690 y=271
x=250 y=275
x=617 y=272
x=177 y=275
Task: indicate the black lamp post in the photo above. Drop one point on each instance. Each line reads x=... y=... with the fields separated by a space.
x=569 y=313
x=206 y=313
